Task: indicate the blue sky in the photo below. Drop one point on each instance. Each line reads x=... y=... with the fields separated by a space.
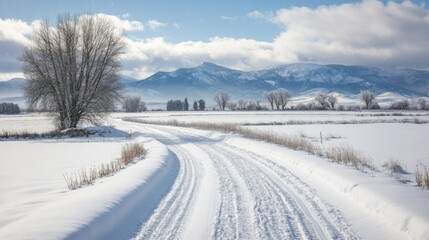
x=199 y=20
x=242 y=34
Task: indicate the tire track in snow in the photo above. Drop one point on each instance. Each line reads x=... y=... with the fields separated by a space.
x=234 y=217
x=169 y=218
x=277 y=217
x=314 y=218
x=258 y=199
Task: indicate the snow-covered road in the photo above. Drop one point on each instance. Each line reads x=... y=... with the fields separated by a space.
x=227 y=192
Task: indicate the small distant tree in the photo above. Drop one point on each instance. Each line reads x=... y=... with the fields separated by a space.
x=242 y=104
x=332 y=99
x=400 y=105
x=322 y=100
x=282 y=97
x=375 y=106
x=178 y=105
x=222 y=99
x=201 y=105
x=186 y=105
x=367 y=97
x=232 y=106
x=170 y=106
x=133 y=104
x=271 y=97
x=195 y=106
x=174 y=105
x=421 y=102
x=9 y=108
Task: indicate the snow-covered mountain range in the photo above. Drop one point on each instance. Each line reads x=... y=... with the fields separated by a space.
x=301 y=79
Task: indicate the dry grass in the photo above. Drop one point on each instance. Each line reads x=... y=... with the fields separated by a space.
x=422 y=176
x=5 y=135
x=130 y=152
x=346 y=155
x=345 y=122
x=349 y=156
x=397 y=168
x=293 y=142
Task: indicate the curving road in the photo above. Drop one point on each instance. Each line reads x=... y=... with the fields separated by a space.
x=224 y=192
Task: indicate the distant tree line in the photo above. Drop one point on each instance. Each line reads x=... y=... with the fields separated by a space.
x=178 y=105
x=278 y=99
x=9 y=108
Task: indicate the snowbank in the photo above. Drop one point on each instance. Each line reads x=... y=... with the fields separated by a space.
x=114 y=207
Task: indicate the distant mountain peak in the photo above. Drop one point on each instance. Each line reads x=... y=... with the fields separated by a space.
x=208 y=66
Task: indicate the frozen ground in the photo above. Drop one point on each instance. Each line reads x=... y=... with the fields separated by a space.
x=196 y=184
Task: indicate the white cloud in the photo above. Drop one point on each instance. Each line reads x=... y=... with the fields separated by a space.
x=368 y=33
x=15 y=30
x=153 y=24
x=9 y=76
x=176 y=25
x=124 y=24
x=145 y=57
x=227 y=18
x=125 y=15
x=256 y=15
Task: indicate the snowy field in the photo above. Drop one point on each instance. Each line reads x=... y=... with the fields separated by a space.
x=34 y=122
x=382 y=142
x=196 y=184
x=258 y=117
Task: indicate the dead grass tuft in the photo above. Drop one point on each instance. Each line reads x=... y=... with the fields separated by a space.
x=422 y=176
x=130 y=152
x=397 y=168
x=348 y=155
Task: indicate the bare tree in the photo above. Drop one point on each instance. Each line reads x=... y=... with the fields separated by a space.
x=282 y=97
x=367 y=97
x=242 y=104
x=332 y=99
x=421 y=102
x=271 y=97
x=133 y=104
x=322 y=100
x=73 y=68
x=222 y=99
x=232 y=106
